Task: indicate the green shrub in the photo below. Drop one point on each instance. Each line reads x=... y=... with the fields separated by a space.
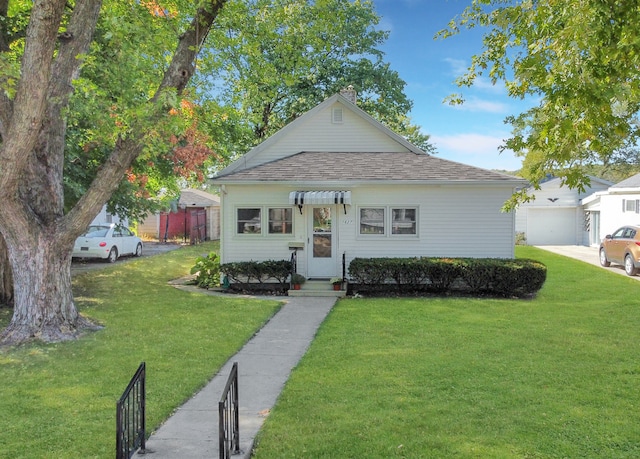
x=246 y=273
x=208 y=269
x=441 y=273
x=492 y=276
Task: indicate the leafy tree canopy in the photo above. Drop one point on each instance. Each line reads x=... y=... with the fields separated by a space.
x=268 y=61
x=581 y=60
x=276 y=59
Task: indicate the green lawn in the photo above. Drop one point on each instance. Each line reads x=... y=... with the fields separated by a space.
x=58 y=401
x=553 y=377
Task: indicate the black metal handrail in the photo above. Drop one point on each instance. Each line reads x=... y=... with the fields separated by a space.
x=228 y=417
x=130 y=416
x=294 y=265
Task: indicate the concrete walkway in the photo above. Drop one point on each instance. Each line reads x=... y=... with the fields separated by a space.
x=264 y=365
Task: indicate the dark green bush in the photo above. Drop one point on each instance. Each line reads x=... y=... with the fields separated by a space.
x=492 y=276
x=441 y=273
x=245 y=273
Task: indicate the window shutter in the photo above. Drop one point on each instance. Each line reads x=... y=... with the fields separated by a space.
x=638 y=206
x=624 y=206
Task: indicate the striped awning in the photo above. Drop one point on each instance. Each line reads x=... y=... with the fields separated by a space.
x=300 y=198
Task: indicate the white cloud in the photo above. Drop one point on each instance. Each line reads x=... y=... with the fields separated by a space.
x=477 y=150
x=474 y=104
x=459 y=68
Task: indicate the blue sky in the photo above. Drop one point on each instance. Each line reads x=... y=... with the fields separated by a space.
x=470 y=133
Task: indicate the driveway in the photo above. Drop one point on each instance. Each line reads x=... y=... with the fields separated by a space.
x=583 y=253
x=149 y=249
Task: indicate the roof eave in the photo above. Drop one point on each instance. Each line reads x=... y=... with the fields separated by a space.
x=352 y=183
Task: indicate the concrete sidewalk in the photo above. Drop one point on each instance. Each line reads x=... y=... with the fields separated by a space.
x=264 y=365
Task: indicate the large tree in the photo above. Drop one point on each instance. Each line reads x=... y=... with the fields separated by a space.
x=580 y=60
x=280 y=58
x=106 y=113
x=34 y=103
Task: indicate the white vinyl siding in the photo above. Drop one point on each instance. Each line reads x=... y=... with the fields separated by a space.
x=452 y=221
x=612 y=215
x=323 y=134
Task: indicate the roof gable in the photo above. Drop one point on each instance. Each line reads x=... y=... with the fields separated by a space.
x=316 y=130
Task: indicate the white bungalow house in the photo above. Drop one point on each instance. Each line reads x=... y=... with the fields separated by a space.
x=556 y=216
x=336 y=184
x=612 y=208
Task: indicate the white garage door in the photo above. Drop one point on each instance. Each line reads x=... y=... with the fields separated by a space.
x=551 y=227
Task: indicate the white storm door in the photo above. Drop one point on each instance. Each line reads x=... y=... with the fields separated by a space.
x=322 y=243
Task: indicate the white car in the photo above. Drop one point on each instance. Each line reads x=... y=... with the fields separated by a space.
x=107 y=241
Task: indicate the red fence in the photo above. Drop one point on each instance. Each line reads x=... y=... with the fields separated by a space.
x=187 y=225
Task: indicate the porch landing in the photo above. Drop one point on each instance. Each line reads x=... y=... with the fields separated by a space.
x=318 y=288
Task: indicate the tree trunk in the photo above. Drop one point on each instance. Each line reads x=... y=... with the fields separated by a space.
x=44 y=307
x=39 y=238
x=6 y=278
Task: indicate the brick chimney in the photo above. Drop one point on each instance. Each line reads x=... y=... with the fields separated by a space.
x=349 y=93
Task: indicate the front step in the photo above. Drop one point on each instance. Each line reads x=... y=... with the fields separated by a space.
x=317 y=288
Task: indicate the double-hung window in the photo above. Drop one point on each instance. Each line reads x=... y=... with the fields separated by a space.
x=388 y=221
x=249 y=221
x=403 y=221
x=372 y=220
x=281 y=220
x=278 y=220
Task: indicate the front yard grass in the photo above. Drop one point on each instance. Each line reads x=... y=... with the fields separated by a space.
x=58 y=401
x=557 y=376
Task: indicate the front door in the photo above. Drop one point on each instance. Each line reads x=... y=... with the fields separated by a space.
x=322 y=243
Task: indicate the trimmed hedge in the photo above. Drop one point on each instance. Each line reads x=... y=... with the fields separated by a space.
x=244 y=273
x=477 y=276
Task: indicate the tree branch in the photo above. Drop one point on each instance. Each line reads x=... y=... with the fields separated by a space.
x=46 y=168
x=182 y=65
x=126 y=150
x=22 y=129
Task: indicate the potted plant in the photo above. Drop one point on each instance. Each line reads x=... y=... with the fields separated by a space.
x=336 y=282
x=297 y=280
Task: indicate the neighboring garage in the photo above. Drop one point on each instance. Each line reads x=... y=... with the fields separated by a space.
x=555 y=216
x=552 y=226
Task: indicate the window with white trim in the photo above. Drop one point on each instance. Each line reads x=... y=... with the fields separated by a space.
x=249 y=221
x=372 y=220
x=404 y=221
x=388 y=221
x=281 y=220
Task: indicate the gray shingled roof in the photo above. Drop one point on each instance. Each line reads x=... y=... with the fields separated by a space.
x=363 y=166
x=631 y=182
